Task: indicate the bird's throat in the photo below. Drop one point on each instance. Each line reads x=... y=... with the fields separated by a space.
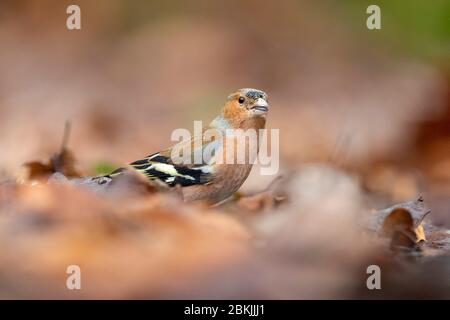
x=253 y=123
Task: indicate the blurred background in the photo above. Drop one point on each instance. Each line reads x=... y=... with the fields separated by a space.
x=373 y=100
x=375 y=103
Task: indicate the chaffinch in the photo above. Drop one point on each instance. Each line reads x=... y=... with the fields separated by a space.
x=217 y=177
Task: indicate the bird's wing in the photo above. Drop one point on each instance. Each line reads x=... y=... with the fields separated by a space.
x=191 y=166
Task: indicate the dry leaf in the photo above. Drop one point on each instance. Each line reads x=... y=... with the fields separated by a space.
x=62 y=162
x=261 y=201
x=402 y=223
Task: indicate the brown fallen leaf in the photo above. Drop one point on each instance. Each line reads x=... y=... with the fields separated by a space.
x=62 y=162
x=263 y=200
x=402 y=223
x=399 y=227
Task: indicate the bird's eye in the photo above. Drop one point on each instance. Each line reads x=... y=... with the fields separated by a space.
x=241 y=100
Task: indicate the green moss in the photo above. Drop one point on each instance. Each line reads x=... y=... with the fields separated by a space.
x=103 y=167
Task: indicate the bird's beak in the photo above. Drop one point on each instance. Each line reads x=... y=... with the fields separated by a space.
x=260 y=107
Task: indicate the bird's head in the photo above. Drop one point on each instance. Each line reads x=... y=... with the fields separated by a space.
x=245 y=104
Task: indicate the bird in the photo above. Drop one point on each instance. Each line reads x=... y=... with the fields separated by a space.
x=215 y=178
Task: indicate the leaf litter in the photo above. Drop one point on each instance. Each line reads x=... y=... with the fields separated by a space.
x=310 y=230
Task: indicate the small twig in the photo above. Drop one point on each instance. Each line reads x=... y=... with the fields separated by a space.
x=422 y=218
x=218 y=204
x=59 y=158
x=66 y=136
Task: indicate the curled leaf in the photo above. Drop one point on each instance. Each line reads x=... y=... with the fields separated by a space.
x=402 y=223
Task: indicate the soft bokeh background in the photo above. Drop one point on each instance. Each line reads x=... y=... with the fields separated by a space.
x=137 y=70
x=373 y=103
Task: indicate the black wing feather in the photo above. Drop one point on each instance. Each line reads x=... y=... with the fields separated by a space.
x=175 y=175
